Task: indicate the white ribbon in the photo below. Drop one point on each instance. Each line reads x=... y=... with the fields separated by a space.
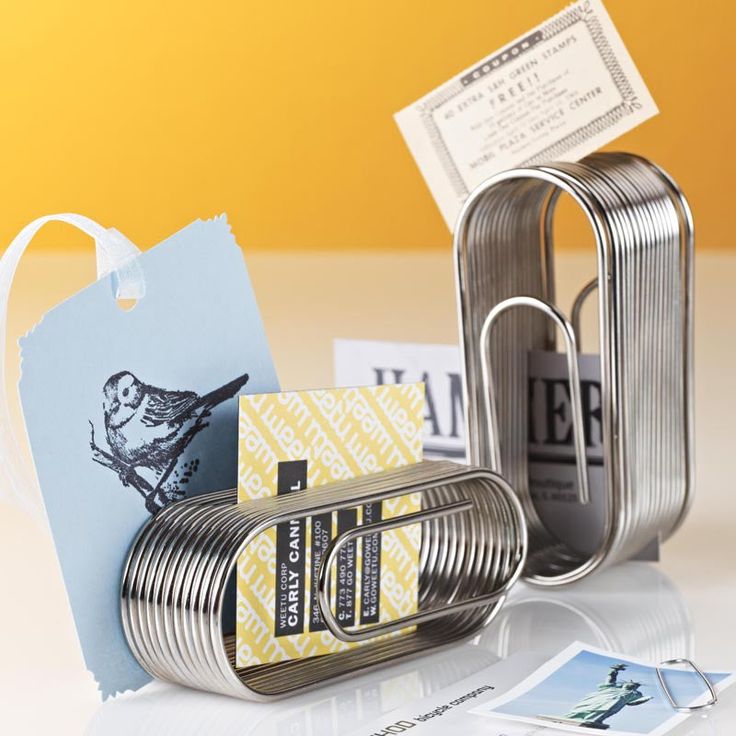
x=115 y=254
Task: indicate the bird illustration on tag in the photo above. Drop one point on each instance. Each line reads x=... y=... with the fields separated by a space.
x=147 y=430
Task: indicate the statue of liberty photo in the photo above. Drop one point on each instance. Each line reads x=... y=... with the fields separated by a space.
x=586 y=690
x=610 y=698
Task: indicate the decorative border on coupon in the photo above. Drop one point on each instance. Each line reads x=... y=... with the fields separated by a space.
x=582 y=13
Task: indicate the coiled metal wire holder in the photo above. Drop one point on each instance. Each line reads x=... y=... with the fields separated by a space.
x=473 y=550
x=506 y=303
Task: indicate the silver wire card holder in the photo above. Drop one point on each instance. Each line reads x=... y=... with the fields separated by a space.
x=507 y=308
x=473 y=549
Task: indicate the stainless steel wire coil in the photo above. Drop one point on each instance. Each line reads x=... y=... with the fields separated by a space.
x=507 y=307
x=173 y=590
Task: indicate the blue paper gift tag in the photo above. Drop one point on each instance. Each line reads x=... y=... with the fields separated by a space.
x=128 y=410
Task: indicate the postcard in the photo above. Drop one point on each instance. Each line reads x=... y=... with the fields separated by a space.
x=297 y=440
x=557 y=93
x=584 y=689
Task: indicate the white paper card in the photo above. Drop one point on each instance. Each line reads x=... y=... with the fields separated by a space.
x=556 y=93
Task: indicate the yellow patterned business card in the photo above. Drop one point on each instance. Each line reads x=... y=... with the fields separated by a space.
x=303 y=439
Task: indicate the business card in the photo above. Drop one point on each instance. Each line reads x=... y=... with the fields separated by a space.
x=556 y=93
x=300 y=440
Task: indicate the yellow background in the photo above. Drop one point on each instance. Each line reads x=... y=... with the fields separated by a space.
x=147 y=115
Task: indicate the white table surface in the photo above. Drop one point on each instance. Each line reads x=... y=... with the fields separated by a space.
x=682 y=606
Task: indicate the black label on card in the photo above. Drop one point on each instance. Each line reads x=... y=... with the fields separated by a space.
x=346 y=570
x=290 y=555
x=321 y=537
x=370 y=579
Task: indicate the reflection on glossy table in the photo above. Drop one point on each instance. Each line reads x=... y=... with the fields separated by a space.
x=682 y=606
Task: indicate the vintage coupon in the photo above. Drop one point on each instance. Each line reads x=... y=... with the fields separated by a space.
x=556 y=93
x=297 y=440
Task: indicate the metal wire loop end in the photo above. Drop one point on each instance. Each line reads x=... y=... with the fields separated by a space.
x=577 y=308
x=668 y=694
x=421 y=617
x=576 y=400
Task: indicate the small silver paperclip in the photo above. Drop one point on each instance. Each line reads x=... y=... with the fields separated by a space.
x=686 y=708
